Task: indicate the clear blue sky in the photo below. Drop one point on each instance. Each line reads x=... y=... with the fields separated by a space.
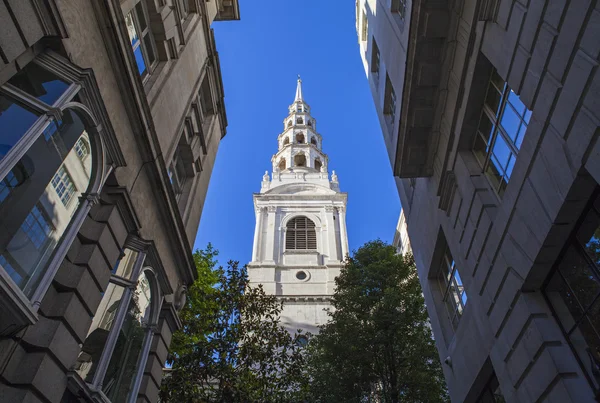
x=261 y=56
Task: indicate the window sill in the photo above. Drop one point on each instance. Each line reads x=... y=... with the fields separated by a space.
x=17 y=312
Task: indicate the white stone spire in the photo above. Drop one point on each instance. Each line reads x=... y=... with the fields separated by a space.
x=299 y=91
x=300 y=239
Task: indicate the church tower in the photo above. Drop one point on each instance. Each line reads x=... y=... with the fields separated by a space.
x=300 y=238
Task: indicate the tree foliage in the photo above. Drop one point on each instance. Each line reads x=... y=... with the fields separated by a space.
x=232 y=347
x=377 y=345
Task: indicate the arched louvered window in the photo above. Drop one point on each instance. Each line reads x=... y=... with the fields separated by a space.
x=301 y=234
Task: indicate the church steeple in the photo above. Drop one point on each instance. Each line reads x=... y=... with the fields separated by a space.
x=300 y=148
x=300 y=239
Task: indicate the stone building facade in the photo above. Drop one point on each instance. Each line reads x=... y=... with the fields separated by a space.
x=300 y=240
x=490 y=112
x=111 y=115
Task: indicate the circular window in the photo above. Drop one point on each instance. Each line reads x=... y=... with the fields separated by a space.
x=301 y=275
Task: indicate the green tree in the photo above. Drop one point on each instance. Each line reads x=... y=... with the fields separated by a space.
x=377 y=345
x=232 y=347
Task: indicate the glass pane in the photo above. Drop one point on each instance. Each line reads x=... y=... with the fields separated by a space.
x=139 y=59
x=501 y=152
x=35 y=212
x=149 y=49
x=486 y=128
x=133 y=34
x=510 y=166
x=123 y=365
x=480 y=149
x=497 y=81
x=515 y=101
x=589 y=236
x=492 y=99
x=494 y=174
x=88 y=358
x=139 y=12
x=14 y=122
x=586 y=342
x=510 y=122
x=579 y=275
x=520 y=136
x=126 y=264
x=39 y=83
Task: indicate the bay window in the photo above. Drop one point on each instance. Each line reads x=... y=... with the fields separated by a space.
x=116 y=348
x=42 y=179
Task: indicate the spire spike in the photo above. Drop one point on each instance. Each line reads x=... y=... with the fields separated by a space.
x=299 y=90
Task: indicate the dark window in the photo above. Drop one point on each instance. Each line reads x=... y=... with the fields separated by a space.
x=491 y=392
x=318 y=164
x=375 y=59
x=301 y=275
x=573 y=291
x=299 y=121
x=181 y=168
x=300 y=138
x=300 y=160
x=301 y=234
x=399 y=8
x=452 y=288
x=502 y=126
x=389 y=102
x=313 y=141
x=282 y=164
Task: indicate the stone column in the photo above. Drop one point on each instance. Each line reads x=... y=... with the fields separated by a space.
x=270 y=244
x=257 y=233
x=331 y=233
x=343 y=234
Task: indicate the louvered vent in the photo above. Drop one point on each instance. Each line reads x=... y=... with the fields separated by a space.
x=301 y=234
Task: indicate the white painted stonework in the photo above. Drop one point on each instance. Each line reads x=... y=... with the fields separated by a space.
x=303 y=278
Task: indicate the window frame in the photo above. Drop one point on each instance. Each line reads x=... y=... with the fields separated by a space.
x=375 y=59
x=398 y=7
x=23 y=308
x=497 y=128
x=389 y=102
x=448 y=271
x=129 y=285
x=584 y=312
x=309 y=231
x=150 y=66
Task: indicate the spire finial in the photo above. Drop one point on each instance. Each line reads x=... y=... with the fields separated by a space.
x=299 y=90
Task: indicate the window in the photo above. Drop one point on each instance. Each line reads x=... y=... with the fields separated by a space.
x=299 y=121
x=364 y=27
x=300 y=234
x=301 y=275
x=282 y=164
x=318 y=164
x=300 y=108
x=491 y=392
x=115 y=350
x=184 y=9
x=178 y=173
x=206 y=99
x=313 y=140
x=82 y=149
x=286 y=141
x=502 y=126
x=310 y=123
x=300 y=138
x=389 y=102
x=40 y=192
x=452 y=288
x=63 y=184
x=300 y=160
x=141 y=38
x=399 y=8
x=289 y=124
x=573 y=291
x=375 y=60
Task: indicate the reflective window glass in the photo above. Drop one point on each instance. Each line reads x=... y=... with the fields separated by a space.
x=63 y=185
x=102 y=323
x=39 y=83
x=126 y=264
x=452 y=288
x=15 y=121
x=35 y=213
x=123 y=365
x=500 y=133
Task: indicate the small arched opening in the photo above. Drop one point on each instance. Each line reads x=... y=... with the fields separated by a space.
x=289 y=124
x=300 y=160
x=282 y=165
x=310 y=123
x=286 y=141
x=318 y=164
x=300 y=138
x=299 y=121
x=313 y=140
